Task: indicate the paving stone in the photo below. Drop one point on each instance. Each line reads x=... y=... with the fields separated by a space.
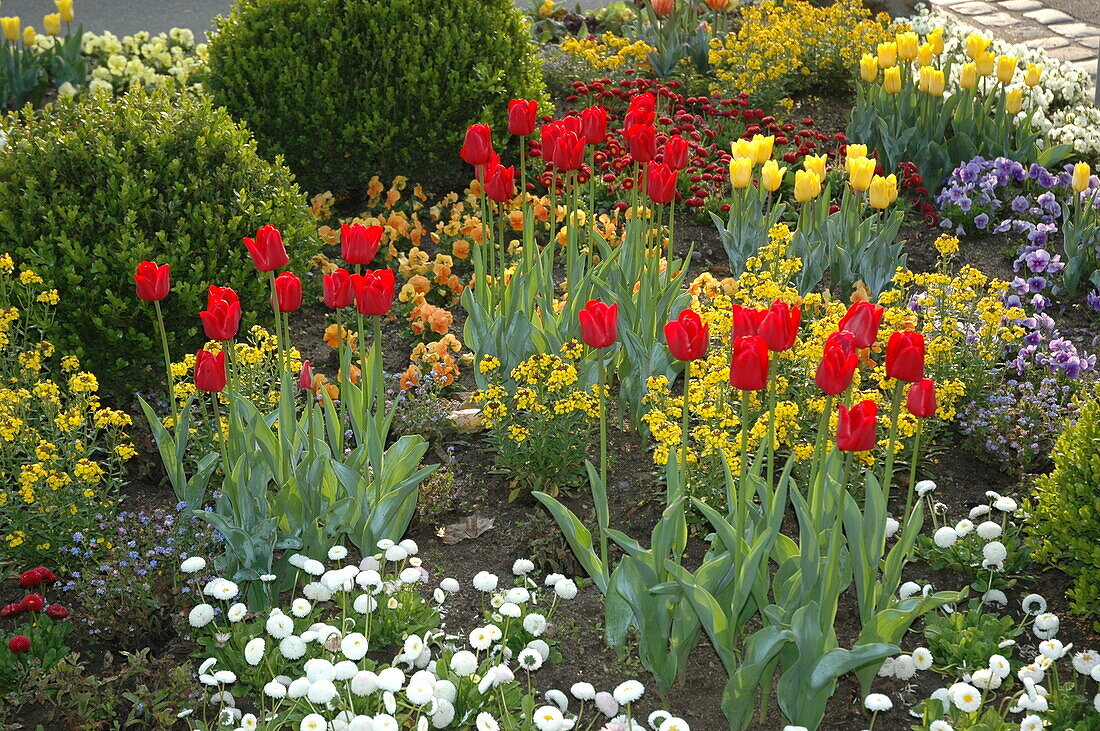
x=973 y=8
x=1076 y=30
x=1074 y=52
x=1049 y=16
x=1048 y=43
x=1020 y=6
x=997 y=20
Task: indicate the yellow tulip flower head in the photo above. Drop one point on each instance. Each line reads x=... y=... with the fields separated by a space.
x=741 y=172
x=52 y=24
x=1014 y=101
x=883 y=191
x=11 y=28
x=65 y=10
x=1080 y=179
x=763 y=148
x=976 y=45
x=925 y=53
x=936 y=82
x=807 y=185
x=891 y=80
x=868 y=68
x=29 y=35
x=744 y=148
x=816 y=164
x=771 y=175
x=887 y=54
x=908 y=43
x=986 y=63
x=860 y=172
x=851 y=151
x=1033 y=74
x=968 y=77
x=936 y=39
x=1006 y=68
x=922 y=78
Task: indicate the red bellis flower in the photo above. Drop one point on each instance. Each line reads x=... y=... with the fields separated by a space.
x=905 y=356
x=56 y=611
x=33 y=602
x=373 y=291
x=855 y=431
x=359 y=243
x=152 y=281
x=687 y=336
x=749 y=366
x=210 y=374
x=19 y=644
x=268 y=252
x=599 y=324
x=522 y=116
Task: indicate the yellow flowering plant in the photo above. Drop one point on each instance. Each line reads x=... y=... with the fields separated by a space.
x=541 y=426
x=62 y=452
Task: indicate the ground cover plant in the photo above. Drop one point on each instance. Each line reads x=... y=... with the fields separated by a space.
x=745 y=381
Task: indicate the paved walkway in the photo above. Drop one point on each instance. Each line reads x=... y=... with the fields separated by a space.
x=1069 y=37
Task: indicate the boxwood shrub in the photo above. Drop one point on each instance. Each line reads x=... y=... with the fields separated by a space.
x=90 y=188
x=344 y=89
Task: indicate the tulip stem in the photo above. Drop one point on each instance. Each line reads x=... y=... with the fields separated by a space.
x=817 y=459
x=913 y=468
x=363 y=369
x=221 y=438
x=888 y=471
x=771 y=428
x=744 y=424
x=344 y=365
x=603 y=449
x=685 y=435
x=167 y=363
x=379 y=376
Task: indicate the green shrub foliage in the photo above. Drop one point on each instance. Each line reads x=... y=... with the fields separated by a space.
x=1065 y=510
x=344 y=89
x=90 y=188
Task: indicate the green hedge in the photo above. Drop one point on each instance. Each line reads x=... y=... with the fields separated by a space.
x=344 y=89
x=90 y=188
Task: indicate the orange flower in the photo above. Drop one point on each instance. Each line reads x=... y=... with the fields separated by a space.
x=328 y=235
x=375 y=188
x=356 y=375
x=333 y=338
x=419 y=193
x=392 y=197
x=420 y=284
x=410 y=378
x=515 y=220
x=460 y=248
x=444 y=373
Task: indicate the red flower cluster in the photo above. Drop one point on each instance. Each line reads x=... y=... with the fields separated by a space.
x=34 y=602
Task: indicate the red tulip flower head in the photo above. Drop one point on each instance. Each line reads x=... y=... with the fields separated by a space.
x=921 y=400
x=594 y=125
x=268 y=252
x=210 y=371
x=642 y=139
x=838 y=363
x=746 y=321
x=359 y=243
x=288 y=292
x=500 y=183
x=599 y=324
x=687 y=336
x=676 y=152
x=862 y=320
x=749 y=367
x=152 y=281
x=641 y=111
x=56 y=611
x=549 y=134
x=522 y=116
x=373 y=291
x=779 y=326
x=222 y=315
x=480 y=171
x=660 y=182
x=905 y=356
x=305 y=377
x=855 y=431
x=337 y=289
x=19 y=643
x=568 y=151
x=477 y=148
x=573 y=124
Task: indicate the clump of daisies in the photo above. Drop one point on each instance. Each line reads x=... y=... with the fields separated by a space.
x=366 y=647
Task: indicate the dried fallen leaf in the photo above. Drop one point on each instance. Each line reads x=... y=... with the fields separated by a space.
x=466 y=529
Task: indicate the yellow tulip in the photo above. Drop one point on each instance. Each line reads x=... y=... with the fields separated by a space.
x=985 y=62
x=936 y=82
x=887 y=54
x=976 y=45
x=11 y=28
x=763 y=148
x=860 y=172
x=855 y=151
x=1006 y=68
x=907 y=43
x=1014 y=101
x=29 y=35
x=815 y=164
x=891 y=80
x=807 y=185
x=922 y=78
x=925 y=54
x=771 y=175
x=52 y=24
x=868 y=68
x=741 y=172
x=65 y=9
x=1033 y=74
x=936 y=39
x=1080 y=179
x=968 y=78
x=883 y=191
x=744 y=148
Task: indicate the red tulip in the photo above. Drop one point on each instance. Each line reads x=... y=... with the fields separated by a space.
x=749 y=367
x=599 y=324
x=56 y=611
x=222 y=315
x=477 y=148
x=640 y=111
x=687 y=336
x=522 y=116
x=660 y=182
x=373 y=291
x=288 y=292
x=305 y=377
x=568 y=151
x=268 y=252
x=338 y=291
x=862 y=320
x=746 y=321
x=643 y=142
x=779 y=326
x=905 y=356
x=855 y=431
x=33 y=602
x=573 y=124
x=359 y=243
x=676 y=152
x=594 y=125
x=152 y=281
x=500 y=183
x=921 y=400
x=550 y=133
x=838 y=363
x=19 y=643
x=210 y=372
